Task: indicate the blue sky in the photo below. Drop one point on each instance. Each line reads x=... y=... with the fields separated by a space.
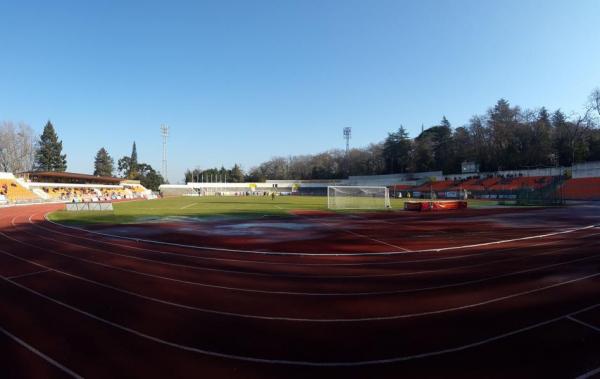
x=242 y=81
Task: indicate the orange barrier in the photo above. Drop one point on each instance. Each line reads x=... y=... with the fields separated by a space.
x=514 y=183
x=436 y=205
x=435 y=186
x=581 y=189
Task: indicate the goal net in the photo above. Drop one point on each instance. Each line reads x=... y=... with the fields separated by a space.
x=357 y=197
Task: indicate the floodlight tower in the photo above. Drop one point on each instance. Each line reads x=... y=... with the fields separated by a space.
x=164 y=131
x=347 y=135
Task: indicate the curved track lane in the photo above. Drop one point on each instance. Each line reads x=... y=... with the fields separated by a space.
x=170 y=310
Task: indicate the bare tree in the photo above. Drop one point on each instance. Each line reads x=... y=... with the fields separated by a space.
x=17 y=147
x=593 y=105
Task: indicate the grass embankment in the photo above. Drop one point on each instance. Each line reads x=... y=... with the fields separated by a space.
x=251 y=206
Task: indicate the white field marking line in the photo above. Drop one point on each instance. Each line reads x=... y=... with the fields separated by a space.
x=580 y=322
x=26 y=275
x=291 y=319
x=337 y=227
x=277 y=206
x=589 y=374
x=283 y=263
x=197 y=284
x=327 y=254
x=201 y=268
x=39 y=353
x=188 y=206
x=339 y=276
x=290 y=362
x=372 y=293
x=275 y=275
x=291 y=263
x=280 y=263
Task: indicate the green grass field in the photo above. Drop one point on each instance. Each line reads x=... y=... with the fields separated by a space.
x=252 y=206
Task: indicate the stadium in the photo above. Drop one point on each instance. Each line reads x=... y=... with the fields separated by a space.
x=344 y=273
x=300 y=190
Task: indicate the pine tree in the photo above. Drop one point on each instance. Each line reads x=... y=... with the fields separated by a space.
x=236 y=174
x=103 y=164
x=445 y=123
x=48 y=155
x=133 y=164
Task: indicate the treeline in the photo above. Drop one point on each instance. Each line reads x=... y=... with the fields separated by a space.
x=232 y=175
x=504 y=138
x=21 y=150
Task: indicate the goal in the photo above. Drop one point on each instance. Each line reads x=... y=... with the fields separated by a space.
x=357 y=197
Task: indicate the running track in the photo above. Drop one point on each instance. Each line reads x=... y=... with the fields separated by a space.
x=78 y=304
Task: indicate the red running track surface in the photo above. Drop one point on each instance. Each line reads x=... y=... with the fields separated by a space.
x=375 y=295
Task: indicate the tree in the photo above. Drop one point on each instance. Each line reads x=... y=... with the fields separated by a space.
x=423 y=156
x=124 y=166
x=443 y=146
x=504 y=138
x=433 y=148
x=539 y=142
x=236 y=174
x=560 y=140
x=593 y=105
x=17 y=147
x=462 y=148
x=133 y=163
x=48 y=156
x=152 y=180
x=128 y=166
x=148 y=177
x=594 y=145
x=103 y=163
x=570 y=139
x=503 y=123
x=396 y=151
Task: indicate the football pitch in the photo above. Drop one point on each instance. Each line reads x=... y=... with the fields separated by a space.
x=192 y=206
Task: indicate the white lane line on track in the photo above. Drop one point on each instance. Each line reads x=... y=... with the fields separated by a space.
x=376 y=240
x=324 y=254
x=292 y=362
x=318 y=254
x=280 y=263
x=580 y=322
x=589 y=374
x=188 y=206
x=386 y=263
x=337 y=227
x=28 y=274
x=292 y=319
x=275 y=275
x=35 y=351
x=268 y=292
x=413 y=290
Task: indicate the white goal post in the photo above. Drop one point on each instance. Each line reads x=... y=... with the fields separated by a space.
x=358 y=197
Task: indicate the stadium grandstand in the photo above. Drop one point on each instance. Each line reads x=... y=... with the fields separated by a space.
x=13 y=190
x=527 y=187
x=37 y=187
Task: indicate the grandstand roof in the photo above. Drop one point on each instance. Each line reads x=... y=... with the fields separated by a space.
x=68 y=177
